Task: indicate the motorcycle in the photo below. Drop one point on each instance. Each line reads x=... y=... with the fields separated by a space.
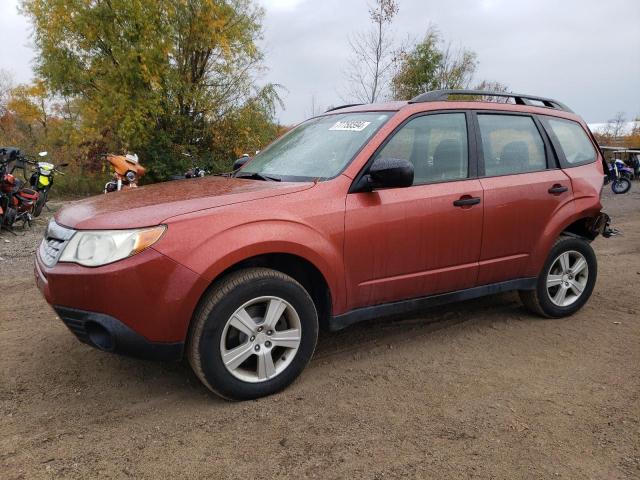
x=195 y=172
x=624 y=169
x=17 y=202
x=127 y=172
x=42 y=181
x=619 y=184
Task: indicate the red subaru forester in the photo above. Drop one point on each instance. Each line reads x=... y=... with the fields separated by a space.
x=358 y=213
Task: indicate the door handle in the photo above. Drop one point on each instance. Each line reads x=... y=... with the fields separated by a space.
x=558 y=189
x=466 y=201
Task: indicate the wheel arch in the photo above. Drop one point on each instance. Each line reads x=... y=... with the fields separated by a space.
x=582 y=227
x=576 y=225
x=296 y=266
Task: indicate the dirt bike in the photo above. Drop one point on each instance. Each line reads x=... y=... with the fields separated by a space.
x=619 y=184
x=127 y=172
x=17 y=202
x=42 y=181
x=624 y=169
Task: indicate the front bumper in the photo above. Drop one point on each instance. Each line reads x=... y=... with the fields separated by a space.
x=139 y=306
x=111 y=335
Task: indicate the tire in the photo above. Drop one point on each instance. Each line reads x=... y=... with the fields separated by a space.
x=621 y=185
x=233 y=317
x=42 y=200
x=546 y=299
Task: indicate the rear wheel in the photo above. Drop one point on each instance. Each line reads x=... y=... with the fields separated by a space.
x=566 y=281
x=253 y=334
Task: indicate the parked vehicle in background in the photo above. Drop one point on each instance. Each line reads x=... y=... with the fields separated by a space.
x=619 y=183
x=362 y=212
x=195 y=172
x=624 y=170
x=42 y=180
x=635 y=164
x=17 y=202
x=127 y=172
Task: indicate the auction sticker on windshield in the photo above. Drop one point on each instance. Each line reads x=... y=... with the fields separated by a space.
x=350 y=125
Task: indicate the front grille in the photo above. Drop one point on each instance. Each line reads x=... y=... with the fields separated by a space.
x=55 y=239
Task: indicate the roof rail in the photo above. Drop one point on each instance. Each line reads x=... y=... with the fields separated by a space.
x=344 y=106
x=520 y=99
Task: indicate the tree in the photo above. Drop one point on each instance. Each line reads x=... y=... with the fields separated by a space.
x=417 y=69
x=616 y=126
x=492 y=86
x=432 y=65
x=154 y=77
x=633 y=139
x=29 y=104
x=6 y=85
x=456 y=68
x=372 y=53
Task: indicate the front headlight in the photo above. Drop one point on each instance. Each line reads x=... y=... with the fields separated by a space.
x=93 y=248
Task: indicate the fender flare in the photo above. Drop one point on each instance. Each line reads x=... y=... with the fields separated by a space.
x=280 y=237
x=551 y=233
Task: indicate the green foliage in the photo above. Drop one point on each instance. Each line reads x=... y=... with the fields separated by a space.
x=431 y=65
x=159 y=78
x=418 y=70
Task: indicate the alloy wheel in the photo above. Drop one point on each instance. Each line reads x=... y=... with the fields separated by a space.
x=567 y=278
x=260 y=339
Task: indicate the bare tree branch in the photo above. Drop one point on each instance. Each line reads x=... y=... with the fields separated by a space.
x=371 y=59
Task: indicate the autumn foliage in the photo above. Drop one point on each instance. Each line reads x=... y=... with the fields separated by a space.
x=156 y=78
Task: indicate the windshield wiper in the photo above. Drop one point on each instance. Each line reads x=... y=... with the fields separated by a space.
x=259 y=176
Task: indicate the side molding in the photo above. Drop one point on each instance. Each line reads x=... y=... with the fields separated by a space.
x=339 y=322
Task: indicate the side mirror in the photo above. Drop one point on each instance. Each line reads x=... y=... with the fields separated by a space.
x=240 y=162
x=43 y=154
x=387 y=173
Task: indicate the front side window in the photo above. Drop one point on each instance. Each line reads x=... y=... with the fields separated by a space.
x=319 y=148
x=575 y=144
x=435 y=144
x=511 y=144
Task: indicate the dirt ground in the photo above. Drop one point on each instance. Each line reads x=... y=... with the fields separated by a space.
x=480 y=389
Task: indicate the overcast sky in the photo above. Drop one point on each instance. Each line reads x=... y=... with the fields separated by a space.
x=585 y=53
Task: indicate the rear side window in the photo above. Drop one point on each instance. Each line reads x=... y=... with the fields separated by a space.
x=511 y=144
x=435 y=144
x=573 y=140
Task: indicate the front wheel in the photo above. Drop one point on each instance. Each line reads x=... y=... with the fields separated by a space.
x=566 y=281
x=253 y=334
x=621 y=185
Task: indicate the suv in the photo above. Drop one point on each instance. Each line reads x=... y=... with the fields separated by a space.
x=362 y=212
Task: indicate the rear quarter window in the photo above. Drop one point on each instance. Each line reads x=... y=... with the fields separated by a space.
x=575 y=146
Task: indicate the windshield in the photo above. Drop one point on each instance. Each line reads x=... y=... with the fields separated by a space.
x=319 y=148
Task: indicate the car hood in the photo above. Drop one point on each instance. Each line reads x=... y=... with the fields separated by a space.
x=152 y=204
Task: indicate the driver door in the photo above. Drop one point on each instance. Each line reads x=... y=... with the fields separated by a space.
x=421 y=240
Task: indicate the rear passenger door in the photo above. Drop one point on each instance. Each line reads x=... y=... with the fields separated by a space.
x=523 y=188
x=424 y=239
